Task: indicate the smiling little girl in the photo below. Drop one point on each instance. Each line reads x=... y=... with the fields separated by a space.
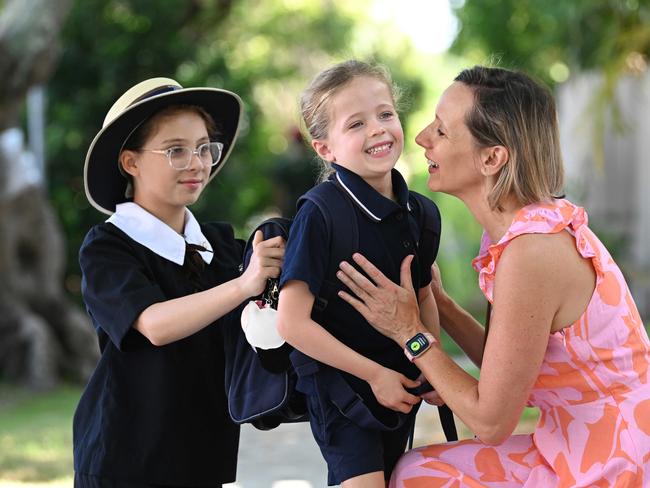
x=350 y=112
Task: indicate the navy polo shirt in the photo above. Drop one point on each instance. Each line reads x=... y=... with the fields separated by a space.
x=153 y=415
x=388 y=232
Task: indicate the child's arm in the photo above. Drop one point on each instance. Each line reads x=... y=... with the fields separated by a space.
x=298 y=329
x=171 y=320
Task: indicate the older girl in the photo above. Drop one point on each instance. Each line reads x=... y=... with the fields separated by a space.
x=158 y=287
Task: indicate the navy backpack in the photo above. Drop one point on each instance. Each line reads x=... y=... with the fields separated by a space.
x=261 y=384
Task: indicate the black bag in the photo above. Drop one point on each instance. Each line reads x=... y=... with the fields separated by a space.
x=261 y=383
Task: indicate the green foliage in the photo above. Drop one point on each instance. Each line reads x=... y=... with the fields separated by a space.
x=548 y=38
x=264 y=51
x=552 y=40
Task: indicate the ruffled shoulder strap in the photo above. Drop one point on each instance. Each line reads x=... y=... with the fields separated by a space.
x=537 y=218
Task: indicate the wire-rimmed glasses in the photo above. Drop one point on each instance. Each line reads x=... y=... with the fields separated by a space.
x=180 y=157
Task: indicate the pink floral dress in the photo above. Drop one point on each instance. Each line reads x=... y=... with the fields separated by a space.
x=593 y=388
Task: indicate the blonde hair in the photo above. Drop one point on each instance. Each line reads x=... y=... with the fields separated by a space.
x=512 y=110
x=315 y=100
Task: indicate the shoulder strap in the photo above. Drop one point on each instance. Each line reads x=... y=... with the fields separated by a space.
x=415 y=201
x=340 y=219
x=275 y=226
x=428 y=217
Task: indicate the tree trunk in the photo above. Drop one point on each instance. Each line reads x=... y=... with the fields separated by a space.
x=43 y=335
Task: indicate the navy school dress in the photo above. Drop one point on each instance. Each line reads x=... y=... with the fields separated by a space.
x=388 y=233
x=153 y=415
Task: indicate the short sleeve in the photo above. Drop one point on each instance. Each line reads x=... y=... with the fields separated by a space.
x=116 y=286
x=307 y=253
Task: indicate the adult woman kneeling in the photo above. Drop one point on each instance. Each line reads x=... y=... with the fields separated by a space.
x=564 y=336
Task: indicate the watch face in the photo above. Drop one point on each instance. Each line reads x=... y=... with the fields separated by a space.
x=418 y=344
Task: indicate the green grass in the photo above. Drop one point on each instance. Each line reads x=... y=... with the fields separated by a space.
x=36 y=437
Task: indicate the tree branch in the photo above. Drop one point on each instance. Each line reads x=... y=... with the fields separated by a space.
x=29 y=31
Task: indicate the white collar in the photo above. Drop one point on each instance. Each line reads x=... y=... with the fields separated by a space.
x=154 y=234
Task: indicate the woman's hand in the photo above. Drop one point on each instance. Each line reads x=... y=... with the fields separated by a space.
x=390 y=308
x=388 y=386
x=265 y=263
x=432 y=398
x=438 y=290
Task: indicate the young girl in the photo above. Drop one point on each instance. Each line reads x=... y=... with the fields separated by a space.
x=158 y=287
x=350 y=112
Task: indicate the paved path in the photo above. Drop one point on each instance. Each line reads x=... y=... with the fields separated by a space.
x=287 y=457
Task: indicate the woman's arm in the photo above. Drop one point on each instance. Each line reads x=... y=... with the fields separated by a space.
x=171 y=320
x=457 y=322
x=429 y=311
x=526 y=300
x=298 y=329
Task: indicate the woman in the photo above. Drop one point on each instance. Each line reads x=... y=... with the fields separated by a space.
x=564 y=335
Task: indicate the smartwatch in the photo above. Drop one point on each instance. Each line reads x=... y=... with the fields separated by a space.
x=416 y=345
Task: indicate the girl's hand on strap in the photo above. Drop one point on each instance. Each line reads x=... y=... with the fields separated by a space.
x=390 y=308
x=388 y=386
x=265 y=263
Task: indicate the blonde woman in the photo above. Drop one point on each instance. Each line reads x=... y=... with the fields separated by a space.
x=564 y=336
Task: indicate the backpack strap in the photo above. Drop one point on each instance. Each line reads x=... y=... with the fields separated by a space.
x=332 y=201
x=274 y=360
x=428 y=217
x=275 y=226
x=418 y=209
x=330 y=384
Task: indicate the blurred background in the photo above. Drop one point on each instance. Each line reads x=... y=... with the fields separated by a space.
x=64 y=62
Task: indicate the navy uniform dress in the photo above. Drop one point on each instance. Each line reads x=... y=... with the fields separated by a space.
x=388 y=232
x=153 y=415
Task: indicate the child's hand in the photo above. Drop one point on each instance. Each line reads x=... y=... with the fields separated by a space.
x=388 y=387
x=265 y=263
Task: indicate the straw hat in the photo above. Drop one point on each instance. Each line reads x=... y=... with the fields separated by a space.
x=104 y=183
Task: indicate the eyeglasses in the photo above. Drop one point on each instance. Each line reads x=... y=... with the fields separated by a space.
x=180 y=157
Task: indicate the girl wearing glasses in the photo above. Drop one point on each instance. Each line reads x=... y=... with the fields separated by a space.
x=159 y=287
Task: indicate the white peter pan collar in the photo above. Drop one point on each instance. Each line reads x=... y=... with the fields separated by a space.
x=155 y=235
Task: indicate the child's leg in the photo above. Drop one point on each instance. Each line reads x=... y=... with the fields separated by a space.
x=368 y=480
x=354 y=456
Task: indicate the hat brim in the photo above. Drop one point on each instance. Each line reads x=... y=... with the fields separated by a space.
x=105 y=185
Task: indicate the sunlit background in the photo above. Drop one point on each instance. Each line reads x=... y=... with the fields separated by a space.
x=593 y=55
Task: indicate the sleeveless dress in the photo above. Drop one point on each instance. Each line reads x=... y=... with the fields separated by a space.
x=592 y=391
